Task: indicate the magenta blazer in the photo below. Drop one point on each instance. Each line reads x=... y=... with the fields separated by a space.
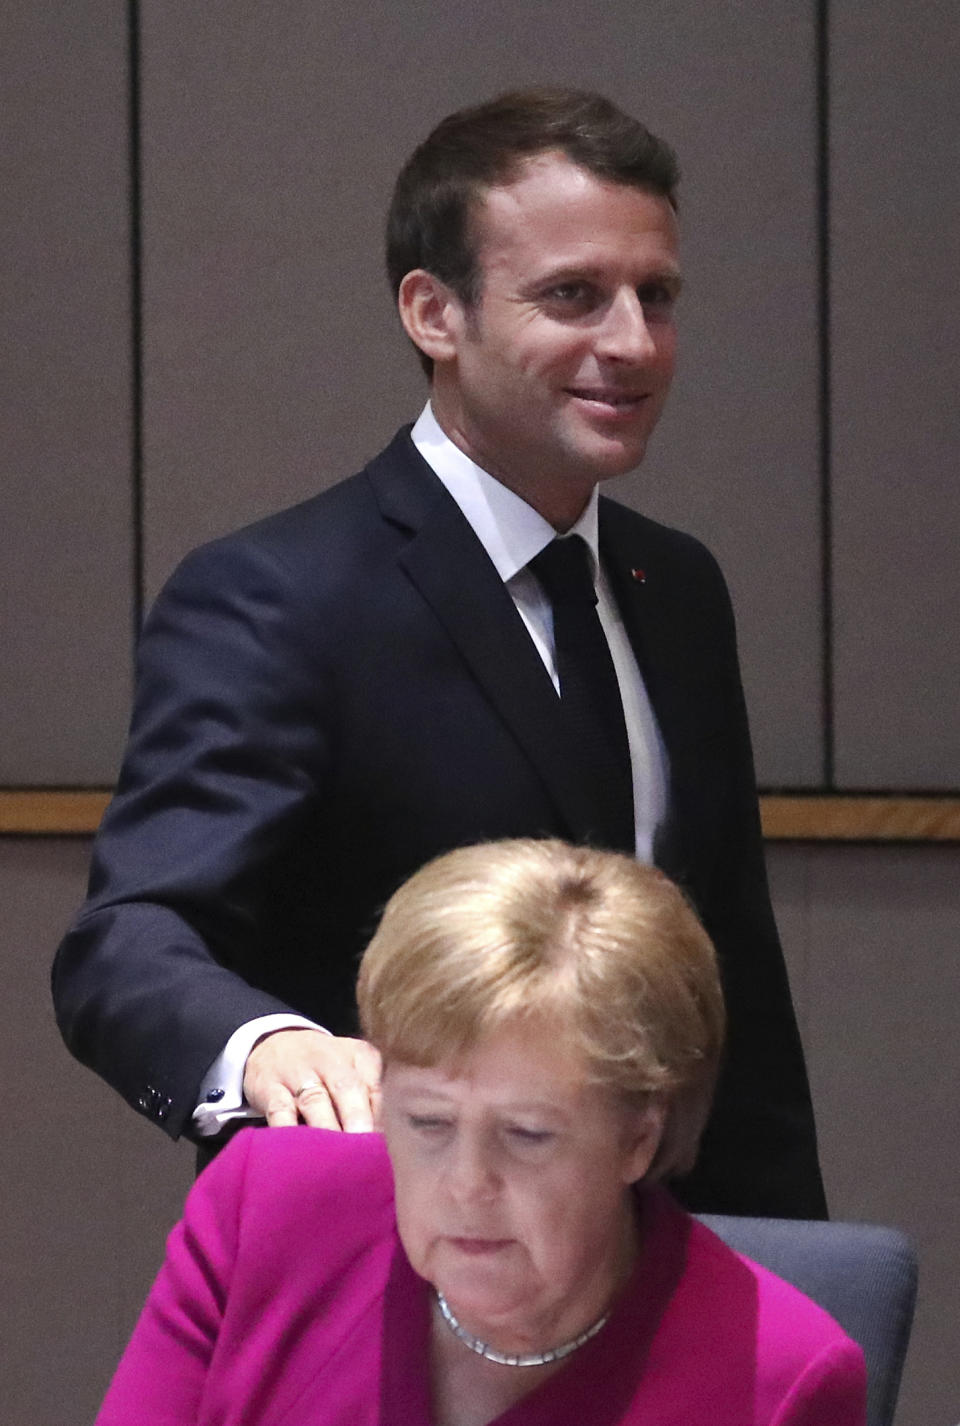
x=286 y=1300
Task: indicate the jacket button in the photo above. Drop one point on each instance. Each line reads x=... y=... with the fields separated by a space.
x=153 y=1102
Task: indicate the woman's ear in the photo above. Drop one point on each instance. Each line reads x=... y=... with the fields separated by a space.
x=431 y=314
x=644 y=1130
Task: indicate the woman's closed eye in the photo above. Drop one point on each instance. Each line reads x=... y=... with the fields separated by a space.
x=429 y=1123
x=521 y=1134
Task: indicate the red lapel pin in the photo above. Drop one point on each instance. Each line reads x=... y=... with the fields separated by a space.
x=639 y=575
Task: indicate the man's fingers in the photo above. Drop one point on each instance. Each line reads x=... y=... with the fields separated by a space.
x=355 y=1091
x=280 y=1109
x=315 y=1108
x=369 y=1067
x=321 y=1080
x=351 y=1100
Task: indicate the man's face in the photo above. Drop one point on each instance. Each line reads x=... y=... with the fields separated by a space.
x=562 y=368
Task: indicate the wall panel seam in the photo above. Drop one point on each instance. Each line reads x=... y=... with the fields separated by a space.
x=136 y=317
x=824 y=399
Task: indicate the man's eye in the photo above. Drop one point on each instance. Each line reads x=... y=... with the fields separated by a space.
x=569 y=293
x=655 y=297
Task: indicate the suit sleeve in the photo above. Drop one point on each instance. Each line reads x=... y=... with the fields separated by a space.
x=226 y=752
x=163 y=1372
x=759 y=1152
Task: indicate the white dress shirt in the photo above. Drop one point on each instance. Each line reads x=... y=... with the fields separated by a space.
x=512 y=533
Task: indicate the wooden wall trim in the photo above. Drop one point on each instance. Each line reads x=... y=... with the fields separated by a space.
x=69 y=812
x=840 y=818
x=26 y=812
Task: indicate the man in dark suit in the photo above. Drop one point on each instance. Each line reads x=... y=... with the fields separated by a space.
x=331 y=697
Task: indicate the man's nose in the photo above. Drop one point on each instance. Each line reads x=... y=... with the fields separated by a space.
x=624 y=333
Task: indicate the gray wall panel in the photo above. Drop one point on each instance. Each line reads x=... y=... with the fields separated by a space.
x=871 y=939
x=273 y=361
x=89 y=1189
x=65 y=393
x=895 y=175
x=736 y=460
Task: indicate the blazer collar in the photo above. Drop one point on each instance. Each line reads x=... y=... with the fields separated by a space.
x=511 y=531
x=449 y=566
x=455 y=576
x=644 y=586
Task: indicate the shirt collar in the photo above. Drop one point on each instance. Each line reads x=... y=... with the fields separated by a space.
x=509 y=529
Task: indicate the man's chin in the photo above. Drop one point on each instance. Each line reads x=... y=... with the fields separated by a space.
x=608 y=459
x=612 y=450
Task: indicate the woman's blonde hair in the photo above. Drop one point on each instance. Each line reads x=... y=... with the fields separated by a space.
x=605 y=951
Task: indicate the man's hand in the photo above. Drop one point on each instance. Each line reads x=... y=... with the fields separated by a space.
x=322 y=1080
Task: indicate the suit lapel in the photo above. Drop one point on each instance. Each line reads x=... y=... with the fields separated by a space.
x=649 y=618
x=454 y=574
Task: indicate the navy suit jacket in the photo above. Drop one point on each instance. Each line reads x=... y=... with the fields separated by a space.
x=329 y=698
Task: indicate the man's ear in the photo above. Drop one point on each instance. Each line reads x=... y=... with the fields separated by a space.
x=644 y=1131
x=431 y=314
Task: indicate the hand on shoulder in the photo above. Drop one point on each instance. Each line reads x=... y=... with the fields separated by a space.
x=304 y=1076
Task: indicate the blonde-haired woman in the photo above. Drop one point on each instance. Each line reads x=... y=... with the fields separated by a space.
x=550 y=1021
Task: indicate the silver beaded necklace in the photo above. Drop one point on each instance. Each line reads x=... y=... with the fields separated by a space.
x=515 y=1359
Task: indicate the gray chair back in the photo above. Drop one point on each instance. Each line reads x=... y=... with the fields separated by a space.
x=864 y=1276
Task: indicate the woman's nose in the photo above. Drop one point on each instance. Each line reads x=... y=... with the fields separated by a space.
x=472 y=1172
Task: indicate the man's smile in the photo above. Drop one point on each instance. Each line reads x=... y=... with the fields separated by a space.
x=610 y=398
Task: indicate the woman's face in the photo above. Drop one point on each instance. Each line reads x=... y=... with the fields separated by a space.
x=512 y=1185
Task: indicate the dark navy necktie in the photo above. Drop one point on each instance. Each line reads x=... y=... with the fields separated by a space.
x=589 y=692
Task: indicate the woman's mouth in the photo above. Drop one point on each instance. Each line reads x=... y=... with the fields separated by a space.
x=479 y=1247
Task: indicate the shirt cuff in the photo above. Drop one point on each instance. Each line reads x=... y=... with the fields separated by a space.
x=222 y=1098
